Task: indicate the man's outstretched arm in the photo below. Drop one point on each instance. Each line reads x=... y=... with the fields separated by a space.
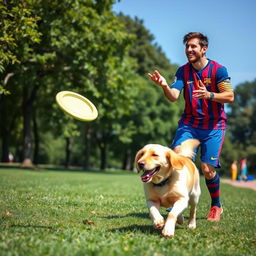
x=171 y=94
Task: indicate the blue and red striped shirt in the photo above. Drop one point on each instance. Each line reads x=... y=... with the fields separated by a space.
x=201 y=113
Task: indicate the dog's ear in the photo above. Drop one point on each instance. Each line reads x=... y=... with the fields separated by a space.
x=137 y=157
x=175 y=160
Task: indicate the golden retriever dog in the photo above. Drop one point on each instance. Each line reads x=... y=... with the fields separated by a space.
x=171 y=180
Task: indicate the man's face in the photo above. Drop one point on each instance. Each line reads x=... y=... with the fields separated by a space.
x=194 y=51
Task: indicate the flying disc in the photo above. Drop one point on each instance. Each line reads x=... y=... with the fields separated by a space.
x=76 y=106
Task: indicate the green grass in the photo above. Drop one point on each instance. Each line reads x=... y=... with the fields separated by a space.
x=85 y=213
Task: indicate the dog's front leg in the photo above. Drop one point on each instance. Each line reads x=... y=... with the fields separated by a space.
x=155 y=215
x=177 y=209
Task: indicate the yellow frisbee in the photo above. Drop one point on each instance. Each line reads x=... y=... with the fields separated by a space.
x=76 y=106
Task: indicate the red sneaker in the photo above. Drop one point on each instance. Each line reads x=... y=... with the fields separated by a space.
x=214 y=213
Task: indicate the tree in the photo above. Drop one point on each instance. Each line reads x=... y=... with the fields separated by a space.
x=153 y=118
x=83 y=48
x=242 y=122
x=18 y=31
x=16 y=26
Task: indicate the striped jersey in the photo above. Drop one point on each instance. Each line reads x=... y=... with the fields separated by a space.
x=202 y=113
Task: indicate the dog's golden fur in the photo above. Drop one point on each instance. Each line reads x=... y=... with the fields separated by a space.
x=170 y=180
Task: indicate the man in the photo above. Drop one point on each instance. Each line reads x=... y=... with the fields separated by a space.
x=206 y=86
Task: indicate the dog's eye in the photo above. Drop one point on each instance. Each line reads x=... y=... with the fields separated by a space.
x=155 y=154
x=141 y=155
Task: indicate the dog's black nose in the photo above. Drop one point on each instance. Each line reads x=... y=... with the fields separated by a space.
x=141 y=165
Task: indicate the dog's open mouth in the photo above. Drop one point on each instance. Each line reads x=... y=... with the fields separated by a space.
x=148 y=174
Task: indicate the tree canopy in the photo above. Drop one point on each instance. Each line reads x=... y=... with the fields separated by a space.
x=83 y=46
x=243 y=122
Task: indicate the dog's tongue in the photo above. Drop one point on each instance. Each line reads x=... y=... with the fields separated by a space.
x=147 y=175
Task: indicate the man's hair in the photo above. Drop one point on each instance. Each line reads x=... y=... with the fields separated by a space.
x=203 y=40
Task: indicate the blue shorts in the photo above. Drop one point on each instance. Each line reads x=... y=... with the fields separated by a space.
x=211 y=142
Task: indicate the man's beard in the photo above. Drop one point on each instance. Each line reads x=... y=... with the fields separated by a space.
x=195 y=59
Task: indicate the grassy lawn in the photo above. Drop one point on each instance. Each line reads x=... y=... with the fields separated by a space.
x=85 y=213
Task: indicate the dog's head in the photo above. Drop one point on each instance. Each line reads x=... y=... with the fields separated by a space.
x=157 y=162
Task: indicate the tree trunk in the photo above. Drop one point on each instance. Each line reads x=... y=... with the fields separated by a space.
x=5 y=146
x=68 y=152
x=27 y=136
x=4 y=131
x=27 y=108
x=87 y=151
x=36 y=139
x=127 y=160
x=103 y=156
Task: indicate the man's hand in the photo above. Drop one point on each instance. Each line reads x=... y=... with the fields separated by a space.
x=171 y=94
x=158 y=79
x=202 y=92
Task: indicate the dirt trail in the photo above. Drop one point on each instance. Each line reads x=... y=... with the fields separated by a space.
x=241 y=184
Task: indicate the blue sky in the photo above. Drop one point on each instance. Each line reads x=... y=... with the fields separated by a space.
x=230 y=26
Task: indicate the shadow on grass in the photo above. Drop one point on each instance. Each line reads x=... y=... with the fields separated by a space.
x=146 y=229
x=132 y=214
x=141 y=215
x=36 y=227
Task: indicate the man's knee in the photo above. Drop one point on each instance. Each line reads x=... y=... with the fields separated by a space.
x=208 y=170
x=177 y=149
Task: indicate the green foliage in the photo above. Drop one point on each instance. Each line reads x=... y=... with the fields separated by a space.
x=229 y=153
x=18 y=30
x=147 y=52
x=52 y=149
x=154 y=118
x=243 y=124
x=63 y=212
x=83 y=48
x=4 y=91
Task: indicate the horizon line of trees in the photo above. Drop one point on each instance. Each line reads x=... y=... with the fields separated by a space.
x=83 y=46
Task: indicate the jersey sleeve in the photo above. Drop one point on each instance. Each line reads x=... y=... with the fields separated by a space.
x=223 y=80
x=221 y=74
x=178 y=80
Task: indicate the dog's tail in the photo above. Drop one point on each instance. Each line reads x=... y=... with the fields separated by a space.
x=187 y=148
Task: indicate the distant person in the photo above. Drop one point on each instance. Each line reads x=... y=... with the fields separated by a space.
x=243 y=168
x=206 y=86
x=10 y=158
x=233 y=170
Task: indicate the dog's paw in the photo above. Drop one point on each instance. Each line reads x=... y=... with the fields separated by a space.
x=159 y=223
x=180 y=219
x=192 y=225
x=168 y=232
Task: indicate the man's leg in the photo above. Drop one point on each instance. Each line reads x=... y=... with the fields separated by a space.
x=211 y=145
x=183 y=133
x=212 y=180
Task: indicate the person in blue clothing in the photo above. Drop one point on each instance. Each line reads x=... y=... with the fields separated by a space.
x=243 y=167
x=206 y=88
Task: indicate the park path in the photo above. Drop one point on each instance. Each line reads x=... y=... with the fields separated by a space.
x=241 y=184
